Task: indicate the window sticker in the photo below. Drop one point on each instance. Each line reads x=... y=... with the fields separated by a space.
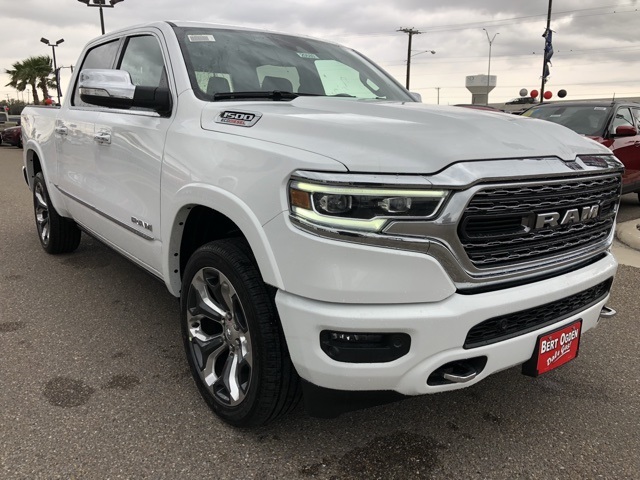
x=201 y=38
x=312 y=56
x=599 y=108
x=555 y=115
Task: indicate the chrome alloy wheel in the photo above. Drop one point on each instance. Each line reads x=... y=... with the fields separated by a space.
x=42 y=213
x=220 y=341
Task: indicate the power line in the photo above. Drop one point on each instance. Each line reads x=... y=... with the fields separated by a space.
x=559 y=53
x=500 y=22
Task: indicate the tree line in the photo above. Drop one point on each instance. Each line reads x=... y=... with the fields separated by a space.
x=35 y=73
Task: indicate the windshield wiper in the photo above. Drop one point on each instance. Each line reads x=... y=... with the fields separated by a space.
x=276 y=95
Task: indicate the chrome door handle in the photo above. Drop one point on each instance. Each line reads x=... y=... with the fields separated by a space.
x=102 y=138
x=61 y=130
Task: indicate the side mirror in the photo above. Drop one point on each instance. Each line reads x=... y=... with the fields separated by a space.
x=114 y=89
x=626 y=131
x=416 y=96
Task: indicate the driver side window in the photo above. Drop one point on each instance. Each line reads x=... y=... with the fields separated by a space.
x=636 y=114
x=623 y=117
x=143 y=60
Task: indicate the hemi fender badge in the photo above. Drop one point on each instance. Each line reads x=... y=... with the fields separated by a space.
x=241 y=119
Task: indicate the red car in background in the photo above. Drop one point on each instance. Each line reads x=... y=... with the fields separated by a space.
x=614 y=124
x=12 y=136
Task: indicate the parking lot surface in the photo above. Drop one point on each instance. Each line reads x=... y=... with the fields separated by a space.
x=94 y=384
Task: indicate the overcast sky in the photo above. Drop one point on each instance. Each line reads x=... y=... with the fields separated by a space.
x=596 y=42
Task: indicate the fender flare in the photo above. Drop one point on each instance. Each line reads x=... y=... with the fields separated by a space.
x=224 y=202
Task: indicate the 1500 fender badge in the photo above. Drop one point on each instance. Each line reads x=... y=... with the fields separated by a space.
x=241 y=119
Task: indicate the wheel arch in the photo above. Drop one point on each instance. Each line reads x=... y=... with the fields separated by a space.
x=33 y=166
x=206 y=214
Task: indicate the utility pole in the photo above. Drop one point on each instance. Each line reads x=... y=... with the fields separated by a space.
x=438 y=89
x=544 y=54
x=411 y=32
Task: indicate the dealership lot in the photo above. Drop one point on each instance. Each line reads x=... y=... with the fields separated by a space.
x=94 y=384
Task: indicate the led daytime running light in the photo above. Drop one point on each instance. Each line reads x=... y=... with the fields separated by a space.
x=383 y=192
x=373 y=225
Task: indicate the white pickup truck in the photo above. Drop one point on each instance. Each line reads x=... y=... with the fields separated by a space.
x=328 y=236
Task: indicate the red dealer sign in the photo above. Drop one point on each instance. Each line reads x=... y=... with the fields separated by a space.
x=554 y=349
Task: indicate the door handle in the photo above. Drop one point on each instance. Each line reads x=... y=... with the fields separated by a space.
x=102 y=138
x=61 y=130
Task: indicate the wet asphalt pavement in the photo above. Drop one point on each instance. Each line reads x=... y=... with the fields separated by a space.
x=93 y=384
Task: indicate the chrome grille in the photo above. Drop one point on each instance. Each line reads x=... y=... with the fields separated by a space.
x=495 y=229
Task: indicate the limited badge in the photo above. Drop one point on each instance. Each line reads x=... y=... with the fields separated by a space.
x=241 y=119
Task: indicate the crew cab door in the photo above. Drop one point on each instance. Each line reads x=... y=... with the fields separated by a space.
x=75 y=147
x=130 y=145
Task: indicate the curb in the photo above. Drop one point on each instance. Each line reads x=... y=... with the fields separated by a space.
x=629 y=234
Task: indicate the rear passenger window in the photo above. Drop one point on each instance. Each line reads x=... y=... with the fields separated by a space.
x=102 y=56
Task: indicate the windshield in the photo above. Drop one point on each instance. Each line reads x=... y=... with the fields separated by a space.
x=224 y=61
x=583 y=119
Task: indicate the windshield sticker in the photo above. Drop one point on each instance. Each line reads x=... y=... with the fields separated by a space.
x=312 y=56
x=556 y=115
x=201 y=38
x=241 y=119
x=599 y=108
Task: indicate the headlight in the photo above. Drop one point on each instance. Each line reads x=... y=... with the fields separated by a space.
x=361 y=207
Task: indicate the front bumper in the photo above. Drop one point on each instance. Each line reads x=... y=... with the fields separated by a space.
x=438 y=331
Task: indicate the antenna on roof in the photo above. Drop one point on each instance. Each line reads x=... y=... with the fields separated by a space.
x=613 y=100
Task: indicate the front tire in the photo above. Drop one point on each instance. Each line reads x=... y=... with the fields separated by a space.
x=232 y=337
x=57 y=234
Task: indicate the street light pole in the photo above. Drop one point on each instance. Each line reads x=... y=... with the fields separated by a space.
x=490 y=40
x=55 y=65
x=101 y=4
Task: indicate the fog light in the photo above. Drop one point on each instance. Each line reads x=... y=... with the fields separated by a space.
x=364 y=347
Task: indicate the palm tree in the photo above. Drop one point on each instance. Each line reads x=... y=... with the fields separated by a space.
x=21 y=78
x=33 y=72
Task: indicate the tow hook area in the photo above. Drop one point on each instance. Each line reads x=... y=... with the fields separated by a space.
x=460 y=371
x=607 y=312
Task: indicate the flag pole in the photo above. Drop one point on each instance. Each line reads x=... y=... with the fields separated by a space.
x=544 y=54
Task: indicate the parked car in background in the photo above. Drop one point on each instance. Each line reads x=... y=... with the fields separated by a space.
x=6 y=122
x=521 y=101
x=614 y=124
x=12 y=136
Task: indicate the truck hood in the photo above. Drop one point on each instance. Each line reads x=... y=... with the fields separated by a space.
x=396 y=137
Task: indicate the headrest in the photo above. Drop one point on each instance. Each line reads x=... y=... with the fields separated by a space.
x=276 y=83
x=218 y=85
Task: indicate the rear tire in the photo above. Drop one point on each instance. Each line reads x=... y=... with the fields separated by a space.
x=57 y=234
x=232 y=337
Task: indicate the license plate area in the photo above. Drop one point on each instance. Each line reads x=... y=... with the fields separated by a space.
x=554 y=349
